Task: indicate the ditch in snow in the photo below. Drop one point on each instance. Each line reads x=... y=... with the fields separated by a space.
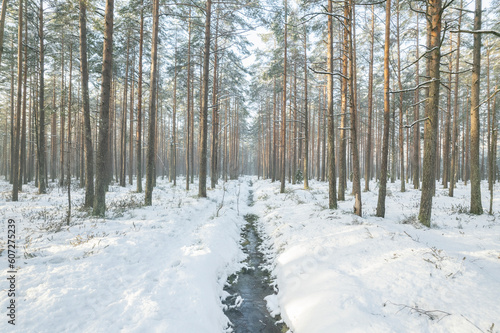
x=246 y=307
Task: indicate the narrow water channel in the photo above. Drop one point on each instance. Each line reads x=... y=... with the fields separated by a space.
x=249 y=287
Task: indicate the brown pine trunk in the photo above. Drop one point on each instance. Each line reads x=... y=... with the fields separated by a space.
x=332 y=181
x=343 y=107
x=401 y=130
x=150 y=154
x=454 y=147
x=62 y=120
x=475 y=179
x=356 y=184
x=15 y=163
x=202 y=188
x=68 y=159
x=89 y=151
x=188 y=107
x=139 y=106
x=416 y=117
x=131 y=132
x=283 y=110
x=22 y=160
x=173 y=143
x=387 y=110
x=431 y=111
x=102 y=176
x=215 y=111
x=306 y=119
x=369 y=153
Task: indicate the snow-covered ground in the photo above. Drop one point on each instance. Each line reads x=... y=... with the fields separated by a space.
x=340 y=273
x=163 y=268
x=143 y=269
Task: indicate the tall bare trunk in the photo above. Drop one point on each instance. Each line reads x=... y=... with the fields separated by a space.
x=41 y=110
x=150 y=154
x=400 y=85
x=306 y=118
x=102 y=171
x=387 y=114
x=332 y=180
x=139 y=106
x=369 y=153
x=283 y=108
x=475 y=176
x=89 y=151
x=15 y=163
x=431 y=111
x=188 y=107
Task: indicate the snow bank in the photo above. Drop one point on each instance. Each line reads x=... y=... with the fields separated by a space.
x=337 y=272
x=142 y=269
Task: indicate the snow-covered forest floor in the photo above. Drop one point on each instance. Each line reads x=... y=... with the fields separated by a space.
x=163 y=268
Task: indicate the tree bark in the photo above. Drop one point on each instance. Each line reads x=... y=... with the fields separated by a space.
x=139 y=105
x=15 y=163
x=283 y=110
x=332 y=181
x=387 y=114
x=475 y=176
x=150 y=153
x=202 y=188
x=306 y=119
x=431 y=111
x=102 y=176
x=369 y=153
x=89 y=151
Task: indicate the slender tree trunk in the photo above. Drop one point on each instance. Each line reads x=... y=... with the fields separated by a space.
x=416 y=117
x=369 y=153
x=454 y=141
x=62 y=118
x=431 y=111
x=68 y=160
x=173 y=143
x=283 y=110
x=188 y=107
x=41 y=110
x=306 y=118
x=150 y=154
x=401 y=130
x=446 y=143
x=356 y=184
x=215 y=111
x=139 y=106
x=2 y=26
x=475 y=179
x=202 y=188
x=89 y=151
x=332 y=181
x=131 y=135
x=22 y=160
x=102 y=177
x=343 y=107
x=15 y=164
x=387 y=114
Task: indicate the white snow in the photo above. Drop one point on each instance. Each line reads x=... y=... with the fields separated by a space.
x=337 y=272
x=163 y=268
x=149 y=269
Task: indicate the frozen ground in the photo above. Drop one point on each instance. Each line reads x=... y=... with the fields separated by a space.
x=143 y=269
x=340 y=273
x=163 y=268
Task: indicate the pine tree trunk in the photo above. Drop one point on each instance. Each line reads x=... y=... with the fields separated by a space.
x=431 y=112
x=332 y=180
x=369 y=153
x=306 y=119
x=15 y=163
x=416 y=117
x=475 y=179
x=89 y=151
x=102 y=176
x=401 y=130
x=387 y=111
x=283 y=110
x=139 y=106
x=150 y=153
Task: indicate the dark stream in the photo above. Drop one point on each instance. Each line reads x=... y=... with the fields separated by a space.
x=252 y=284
